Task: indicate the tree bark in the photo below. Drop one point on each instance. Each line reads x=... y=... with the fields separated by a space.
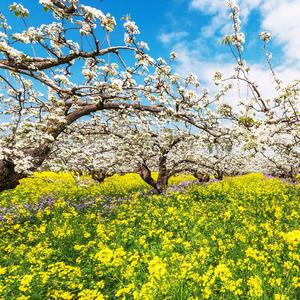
x=219 y=175
x=201 y=177
x=98 y=176
x=145 y=174
x=161 y=184
x=163 y=174
x=9 y=178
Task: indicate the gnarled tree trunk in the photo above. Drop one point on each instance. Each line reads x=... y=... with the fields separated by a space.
x=219 y=175
x=9 y=178
x=145 y=174
x=163 y=174
x=99 y=176
x=201 y=177
x=162 y=183
x=159 y=185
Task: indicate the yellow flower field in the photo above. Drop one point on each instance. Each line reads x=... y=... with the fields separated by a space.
x=68 y=238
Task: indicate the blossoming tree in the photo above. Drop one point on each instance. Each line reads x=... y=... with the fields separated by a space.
x=144 y=144
x=61 y=76
x=51 y=79
x=272 y=122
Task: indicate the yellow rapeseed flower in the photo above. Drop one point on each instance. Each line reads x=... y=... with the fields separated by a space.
x=255 y=286
x=156 y=267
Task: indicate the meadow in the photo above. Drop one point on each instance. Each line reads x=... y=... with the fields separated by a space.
x=64 y=237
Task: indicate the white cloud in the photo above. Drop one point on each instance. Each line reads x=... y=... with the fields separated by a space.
x=173 y=36
x=220 y=14
x=207 y=6
x=191 y=61
x=219 y=6
x=280 y=17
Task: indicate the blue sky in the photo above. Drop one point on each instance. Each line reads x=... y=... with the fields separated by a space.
x=194 y=29
x=201 y=24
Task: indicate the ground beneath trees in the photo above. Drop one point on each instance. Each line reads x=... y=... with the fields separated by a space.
x=65 y=238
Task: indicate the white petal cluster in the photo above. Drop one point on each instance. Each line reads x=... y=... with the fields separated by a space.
x=265 y=36
x=19 y=10
x=131 y=28
x=107 y=21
